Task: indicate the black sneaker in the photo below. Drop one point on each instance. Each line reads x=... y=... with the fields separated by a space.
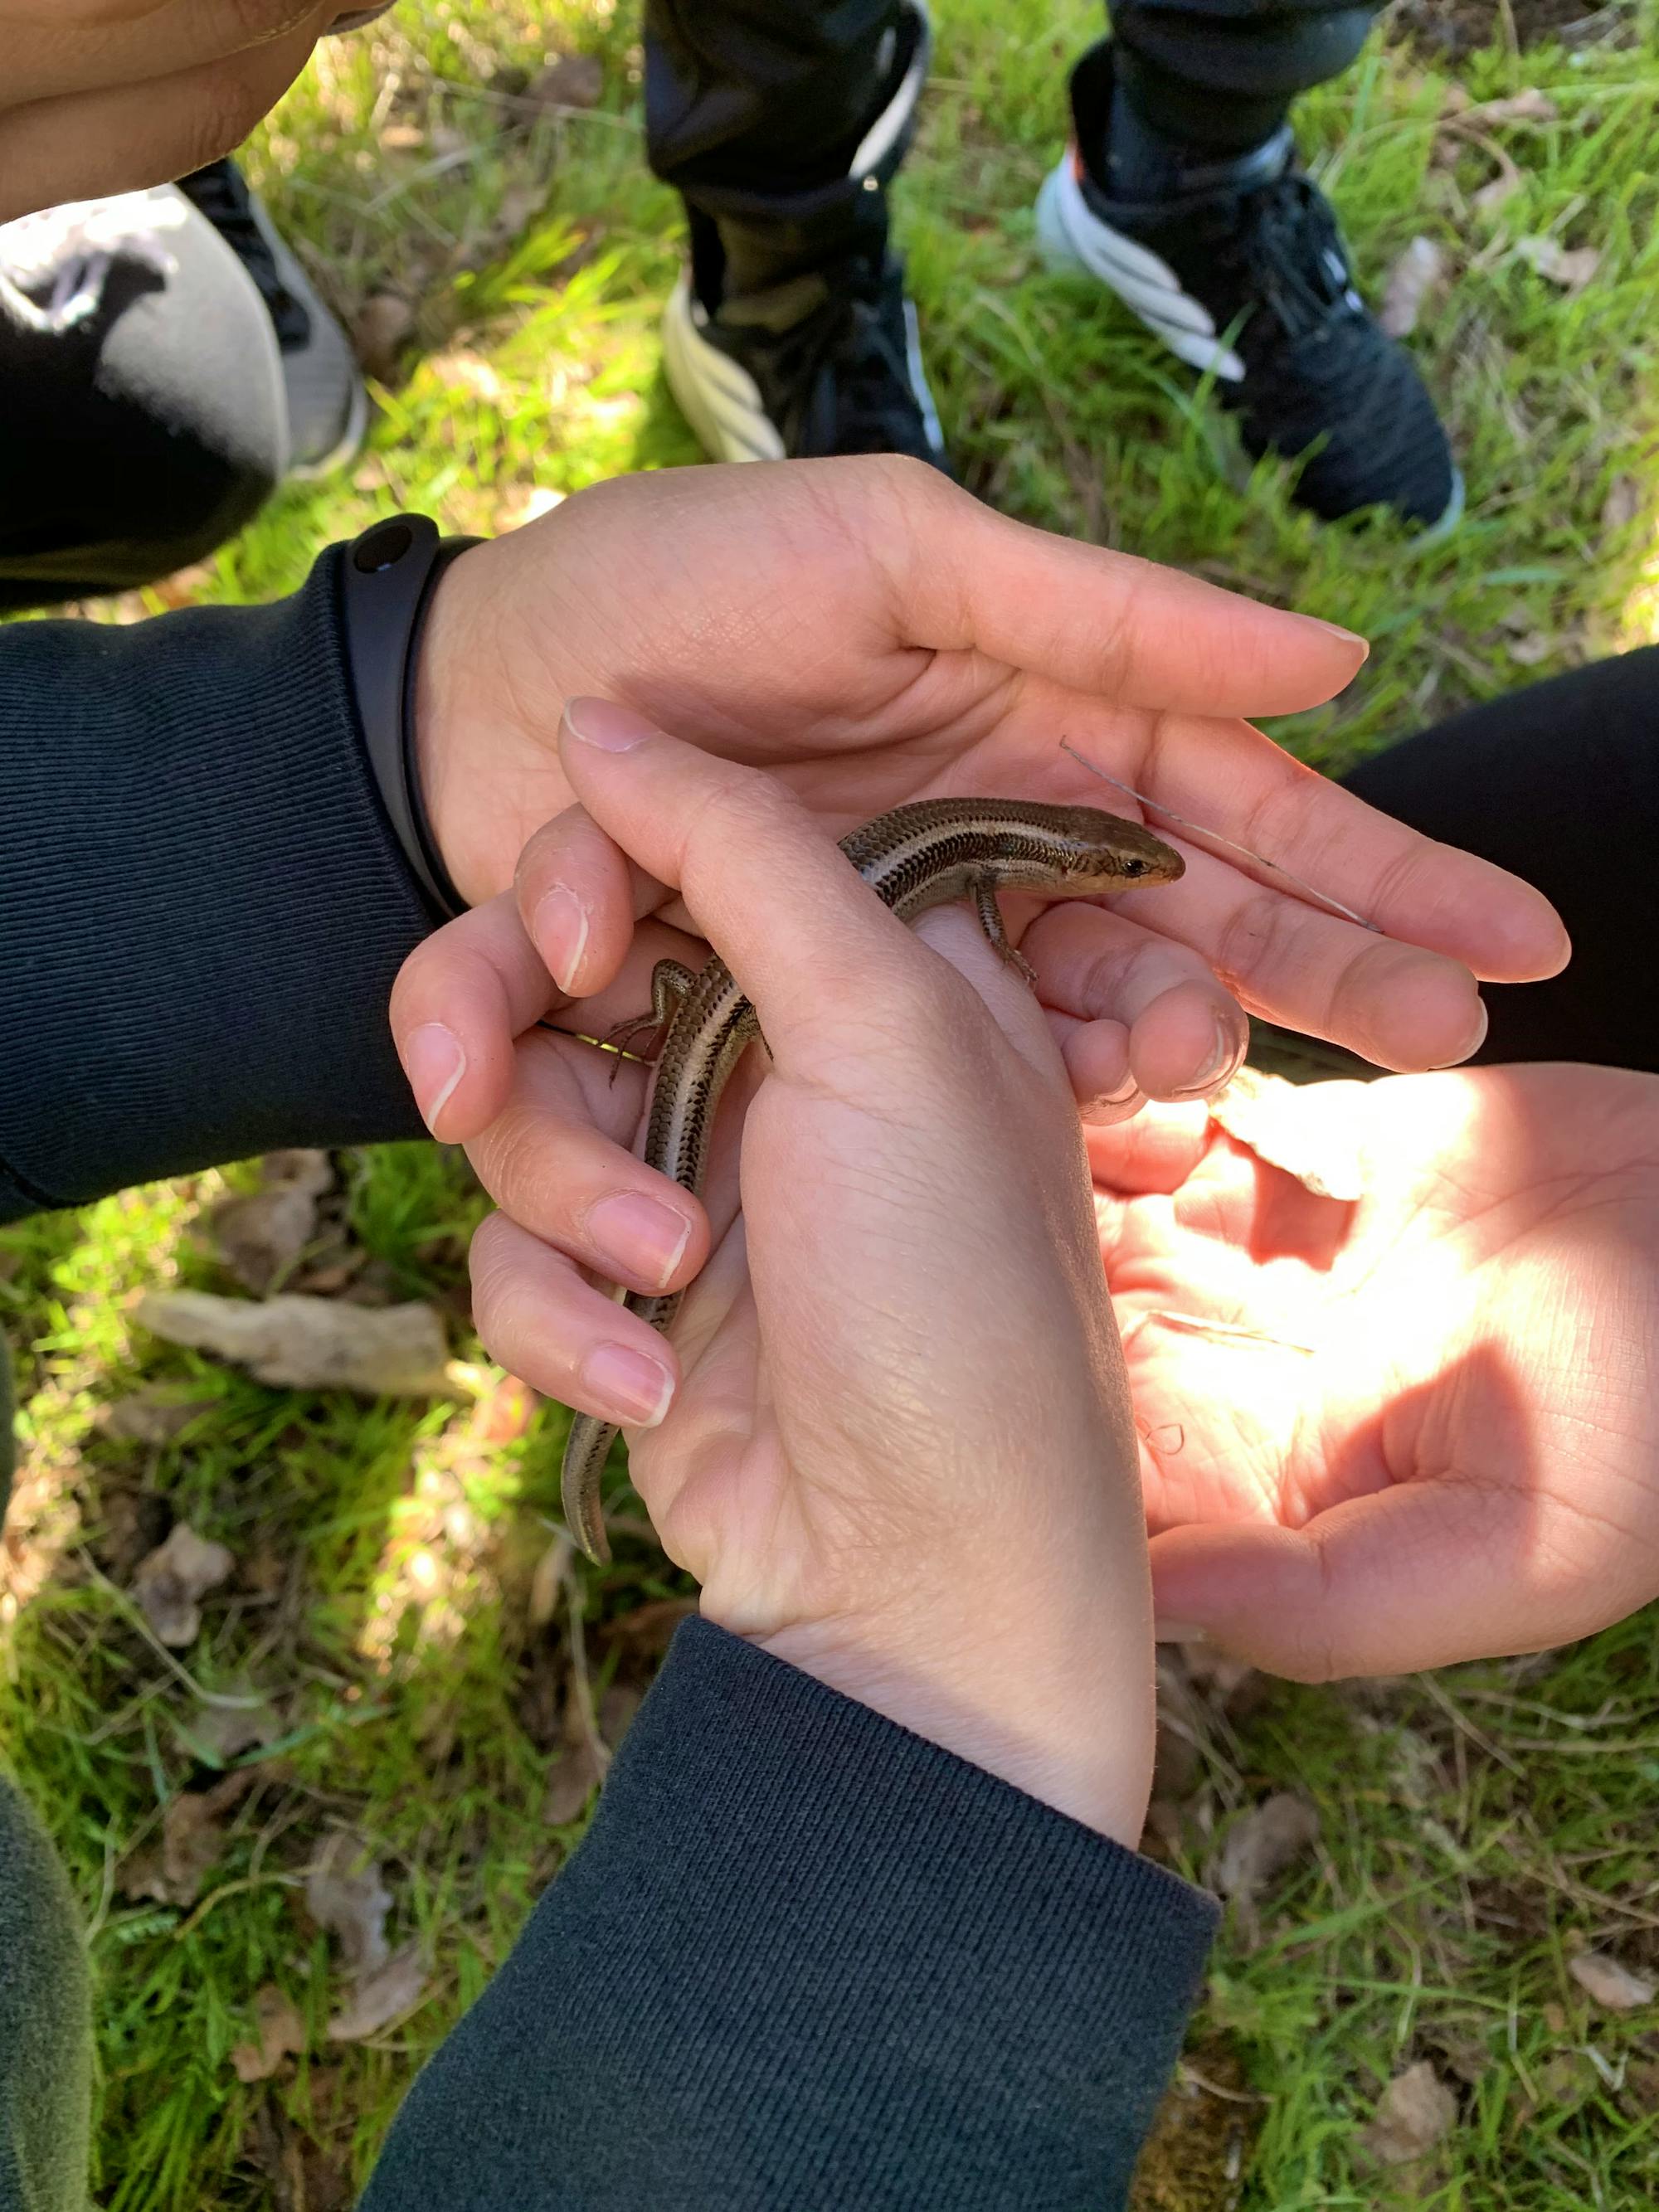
x=1243 y=274
x=327 y=405
x=828 y=363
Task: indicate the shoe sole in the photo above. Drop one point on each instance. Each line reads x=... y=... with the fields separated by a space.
x=722 y=402
x=1072 y=240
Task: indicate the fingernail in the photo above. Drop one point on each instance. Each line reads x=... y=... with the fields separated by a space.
x=1121 y=1098
x=1179 y=1632
x=606 y=726
x=1474 y=1044
x=1347 y=637
x=640 y=1236
x=631 y=1386
x=434 y=1063
x=1225 y=1053
x=559 y=926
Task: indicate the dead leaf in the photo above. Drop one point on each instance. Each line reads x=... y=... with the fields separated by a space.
x=1527 y=652
x=1529 y=105
x=150 y=1416
x=573 y=81
x=1260 y=1845
x=385 y=325
x=547 y=1582
x=193 y=1837
x=617 y=1710
x=505 y=1411
x=279 y=2034
x=384 y=1994
x=1566 y=2080
x=260 y=1237
x=1413 y=276
x=525 y=506
x=1621 y=506
x=570 y=1783
x=1413 y=2114
x=1572 y=269
x=469 y=372
x=650 y=1628
x=1609 y=1984
x=173 y=1578
x=344 y=1895
x=1504 y=186
x=300 y=1343
x=1261 y=1112
x=218 y=1734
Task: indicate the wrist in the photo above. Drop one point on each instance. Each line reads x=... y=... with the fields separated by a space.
x=1054 y=1697
x=456 y=642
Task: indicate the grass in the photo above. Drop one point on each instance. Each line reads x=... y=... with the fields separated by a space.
x=395 y=1601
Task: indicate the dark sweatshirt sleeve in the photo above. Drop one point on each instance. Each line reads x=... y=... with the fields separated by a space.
x=202 y=903
x=805 y=1959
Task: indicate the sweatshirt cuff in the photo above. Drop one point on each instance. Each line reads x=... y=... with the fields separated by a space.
x=205 y=905
x=805 y=1957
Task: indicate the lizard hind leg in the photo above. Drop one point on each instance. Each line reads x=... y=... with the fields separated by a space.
x=670 y=982
x=990 y=920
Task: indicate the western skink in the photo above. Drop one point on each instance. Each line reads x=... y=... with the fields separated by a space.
x=918 y=856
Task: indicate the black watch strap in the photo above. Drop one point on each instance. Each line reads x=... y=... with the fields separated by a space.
x=388 y=577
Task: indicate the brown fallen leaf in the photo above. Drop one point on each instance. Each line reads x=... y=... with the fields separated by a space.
x=172 y=1581
x=217 y=1733
x=345 y=1895
x=279 y=2034
x=1267 y=1113
x=573 y=81
x=617 y=1710
x=385 y=325
x=192 y=1836
x=1267 y=1840
x=1527 y=652
x=1570 y=268
x=1608 y=1984
x=1414 y=2113
x=570 y=1783
x=650 y=1628
x=1528 y=105
x=383 y=1994
x=150 y=1416
x=1416 y=273
x=309 y=1344
x=547 y=1583
x=461 y=368
x=1621 y=506
x=261 y=1235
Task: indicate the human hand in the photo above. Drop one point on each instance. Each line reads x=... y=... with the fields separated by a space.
x=900 y=1453
x=1416 y=1429
x=873 y=635
x=104 y=96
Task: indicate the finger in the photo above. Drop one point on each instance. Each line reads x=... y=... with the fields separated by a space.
x=579 y=896
x=79 y=48
x=541 y=1320
x=459 y=1001
x=1097 y=1057
x=1234 y=780
x=554 y=1161
x=83 y=145
x=1187 y=1035
x=1394 y=1004
x=1155 y=1152
x=779 y=902
x=1420 y=1575
x=966 y=578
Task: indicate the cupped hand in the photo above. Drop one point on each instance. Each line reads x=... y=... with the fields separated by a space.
x=899 y=1453
x=872 y=635
x=104 y=96
x=1413 y=1428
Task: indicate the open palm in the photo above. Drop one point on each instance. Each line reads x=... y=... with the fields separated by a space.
x=1416 y=1428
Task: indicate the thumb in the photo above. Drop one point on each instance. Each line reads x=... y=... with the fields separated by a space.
x=1423 y=1575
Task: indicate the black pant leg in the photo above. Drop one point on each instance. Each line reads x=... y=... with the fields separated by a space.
x=1560 y=784
x=756 y=112
x=1222 y=73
